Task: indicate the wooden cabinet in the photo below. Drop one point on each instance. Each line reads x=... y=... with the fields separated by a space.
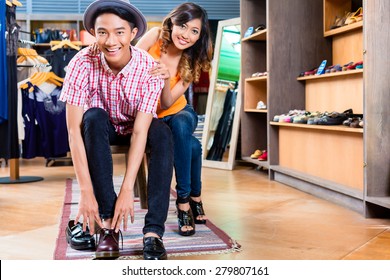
x=333 y=162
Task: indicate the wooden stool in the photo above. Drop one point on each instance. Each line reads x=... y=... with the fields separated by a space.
x=140 y=186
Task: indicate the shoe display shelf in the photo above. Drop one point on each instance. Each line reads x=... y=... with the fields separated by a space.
x=336 y=9
x=328 y=161
x=253 y=89
x=349 y=166
x=282 y=50
x=338 y=163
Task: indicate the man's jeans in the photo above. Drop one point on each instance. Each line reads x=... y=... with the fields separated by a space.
x=99 y=134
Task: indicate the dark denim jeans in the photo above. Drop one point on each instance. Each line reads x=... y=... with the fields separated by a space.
x=187 y=153
x=99 y=134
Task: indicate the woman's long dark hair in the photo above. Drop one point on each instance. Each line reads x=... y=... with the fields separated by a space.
x=197 y=58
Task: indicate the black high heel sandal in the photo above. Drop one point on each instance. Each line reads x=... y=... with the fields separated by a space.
x=197 y=210
x=185 y=218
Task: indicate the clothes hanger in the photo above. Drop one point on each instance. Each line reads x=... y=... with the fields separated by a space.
x=65 y=43
x=39 y=78
x=23 y=53
x=8 y=3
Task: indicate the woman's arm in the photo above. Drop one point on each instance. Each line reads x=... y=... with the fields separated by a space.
x=149 y=39
x=169 y=96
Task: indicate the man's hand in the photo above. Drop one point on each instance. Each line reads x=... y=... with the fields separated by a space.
x=88 y=208
x=123 y=208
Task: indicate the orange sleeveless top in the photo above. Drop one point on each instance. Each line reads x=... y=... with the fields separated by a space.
x=181 y=102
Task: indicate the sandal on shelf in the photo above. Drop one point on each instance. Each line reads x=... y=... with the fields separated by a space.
x=185 y=219
x=197 y=210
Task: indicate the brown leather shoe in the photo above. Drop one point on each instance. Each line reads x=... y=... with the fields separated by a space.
x=108 y=245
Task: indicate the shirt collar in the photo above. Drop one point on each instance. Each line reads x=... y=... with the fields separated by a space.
x=126 y=70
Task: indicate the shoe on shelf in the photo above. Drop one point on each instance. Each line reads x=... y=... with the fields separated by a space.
x=256 y=154
x=154 y=249
x=335 y=118
x=278 y=117
x=264 y=156
x=355 y=17
x=355 y=123
x=345 y=66
x=321 y=68
x=249 y=31
x=355 y=65
x=197 y=210
x=108 y=244
x=77 y=238
x=260 y=27
x=261 y=106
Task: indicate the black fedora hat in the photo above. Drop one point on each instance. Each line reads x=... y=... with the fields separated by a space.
x=138 y=17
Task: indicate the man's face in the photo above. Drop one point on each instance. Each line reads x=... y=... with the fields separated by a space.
x=113 y=36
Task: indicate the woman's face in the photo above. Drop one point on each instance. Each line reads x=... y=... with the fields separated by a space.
x=186 y=35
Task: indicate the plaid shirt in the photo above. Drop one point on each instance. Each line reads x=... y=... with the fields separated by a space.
x=90 y=82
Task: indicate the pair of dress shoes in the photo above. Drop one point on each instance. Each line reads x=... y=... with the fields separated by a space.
x=108 y=243
x=108 y=246
x=79 y=239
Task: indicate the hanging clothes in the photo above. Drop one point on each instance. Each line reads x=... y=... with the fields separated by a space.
x=59 y=59
x=9 y=144
x=3 y=67
x=45 y=122
x=225 y=124
x=28 y=63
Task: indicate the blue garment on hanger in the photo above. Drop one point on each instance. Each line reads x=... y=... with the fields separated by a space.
x=45 y=124
x=3 y=67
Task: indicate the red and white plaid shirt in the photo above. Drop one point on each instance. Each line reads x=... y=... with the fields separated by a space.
x=90 y=82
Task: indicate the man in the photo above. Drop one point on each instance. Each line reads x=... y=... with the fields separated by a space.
x=111 y=98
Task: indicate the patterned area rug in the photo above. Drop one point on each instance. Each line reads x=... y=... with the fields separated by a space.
x=208 y=238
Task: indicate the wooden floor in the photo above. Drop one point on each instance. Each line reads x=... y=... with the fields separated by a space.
x=270 y=220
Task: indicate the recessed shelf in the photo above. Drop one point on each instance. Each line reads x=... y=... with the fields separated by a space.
x=256 y=111
x=261 y=163
x=257 y=36
x=339 y=188
x=344 y=29
x=330 y=75
x=382 y=201
x=340 y=128
x=256 y=79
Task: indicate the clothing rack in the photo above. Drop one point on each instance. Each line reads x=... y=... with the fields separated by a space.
x=14 y=167
x=35 y=66
x=26 y=42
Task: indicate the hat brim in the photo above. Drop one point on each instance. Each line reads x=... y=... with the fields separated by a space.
x=138 y=17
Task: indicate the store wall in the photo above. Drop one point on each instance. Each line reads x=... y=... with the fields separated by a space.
x=217 y=9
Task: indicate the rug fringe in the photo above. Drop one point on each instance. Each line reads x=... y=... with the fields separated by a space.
x=236 y=247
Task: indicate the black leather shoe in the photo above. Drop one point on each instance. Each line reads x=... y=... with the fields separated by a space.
x=77 y=238
x=154 y=249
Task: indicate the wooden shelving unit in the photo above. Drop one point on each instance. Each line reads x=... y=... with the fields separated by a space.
x=349 y=166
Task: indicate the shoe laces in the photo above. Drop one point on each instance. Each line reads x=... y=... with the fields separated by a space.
x=108 y=232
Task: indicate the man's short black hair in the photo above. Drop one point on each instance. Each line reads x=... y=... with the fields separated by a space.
x=122 y=13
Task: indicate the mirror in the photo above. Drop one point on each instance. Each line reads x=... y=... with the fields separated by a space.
x=220 y=132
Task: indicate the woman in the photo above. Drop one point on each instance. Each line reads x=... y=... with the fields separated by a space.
x=182 y=47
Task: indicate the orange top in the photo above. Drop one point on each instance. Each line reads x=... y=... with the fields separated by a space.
x=181 y=102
